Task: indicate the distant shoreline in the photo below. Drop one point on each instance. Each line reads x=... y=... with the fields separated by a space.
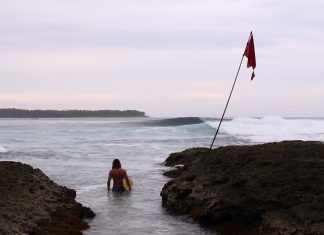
x=38 y=113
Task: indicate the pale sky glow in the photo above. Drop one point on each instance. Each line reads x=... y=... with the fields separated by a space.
x=164 y=57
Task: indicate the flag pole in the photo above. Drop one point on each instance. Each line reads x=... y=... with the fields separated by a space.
x=220 y=122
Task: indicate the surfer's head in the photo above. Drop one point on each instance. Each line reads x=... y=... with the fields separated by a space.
x=116 y=164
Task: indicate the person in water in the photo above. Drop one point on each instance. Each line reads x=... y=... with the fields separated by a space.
x=117 y=173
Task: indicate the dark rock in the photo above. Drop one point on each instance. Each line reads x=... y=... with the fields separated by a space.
x=31 y=203
x=275 y=188
x=187 y=156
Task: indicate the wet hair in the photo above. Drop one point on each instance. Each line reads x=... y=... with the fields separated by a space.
x=116 y=164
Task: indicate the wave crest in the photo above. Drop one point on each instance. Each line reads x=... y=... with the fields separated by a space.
x=174 y=121
x=3 y=149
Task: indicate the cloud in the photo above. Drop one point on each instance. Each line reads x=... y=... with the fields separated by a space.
x=43 y=97
x=204 y=96
x=163 y=56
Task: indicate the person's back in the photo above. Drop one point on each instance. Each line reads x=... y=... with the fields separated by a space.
x=117 y=174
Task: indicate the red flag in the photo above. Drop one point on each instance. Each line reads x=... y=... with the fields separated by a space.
x=250 y=54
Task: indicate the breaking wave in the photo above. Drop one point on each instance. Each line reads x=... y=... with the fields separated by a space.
x=3 y=149
x=173 y=121
x=269 y=129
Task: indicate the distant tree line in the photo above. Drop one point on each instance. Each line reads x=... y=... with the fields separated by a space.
x=23 y=113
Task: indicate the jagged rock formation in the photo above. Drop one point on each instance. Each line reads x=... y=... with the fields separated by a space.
x=31 y=203
x=275 y=188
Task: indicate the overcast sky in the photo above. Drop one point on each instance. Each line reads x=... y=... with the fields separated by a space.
x=164 y=57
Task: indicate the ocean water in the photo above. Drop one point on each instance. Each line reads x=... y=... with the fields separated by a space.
x=78 y=153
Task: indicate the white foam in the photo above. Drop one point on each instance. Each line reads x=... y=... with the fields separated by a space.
x=272 y=128
x=3 y=149
x=90 y=188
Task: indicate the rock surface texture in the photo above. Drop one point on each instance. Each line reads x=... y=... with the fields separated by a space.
x=30 y=203
x=275 y=188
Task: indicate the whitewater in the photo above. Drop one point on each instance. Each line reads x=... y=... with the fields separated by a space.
x=78 y=153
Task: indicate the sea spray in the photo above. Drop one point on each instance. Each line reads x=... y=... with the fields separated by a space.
x=3 y=149
x=272 y=128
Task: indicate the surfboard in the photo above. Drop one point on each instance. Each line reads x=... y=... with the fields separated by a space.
x=127 y=187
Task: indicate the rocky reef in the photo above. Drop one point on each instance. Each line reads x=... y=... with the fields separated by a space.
x=274 y=188
x=31 y=203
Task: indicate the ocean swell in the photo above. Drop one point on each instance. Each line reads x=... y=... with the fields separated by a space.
x=173 y=121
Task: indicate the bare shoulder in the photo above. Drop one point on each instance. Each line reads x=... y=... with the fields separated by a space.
x=123 y=171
